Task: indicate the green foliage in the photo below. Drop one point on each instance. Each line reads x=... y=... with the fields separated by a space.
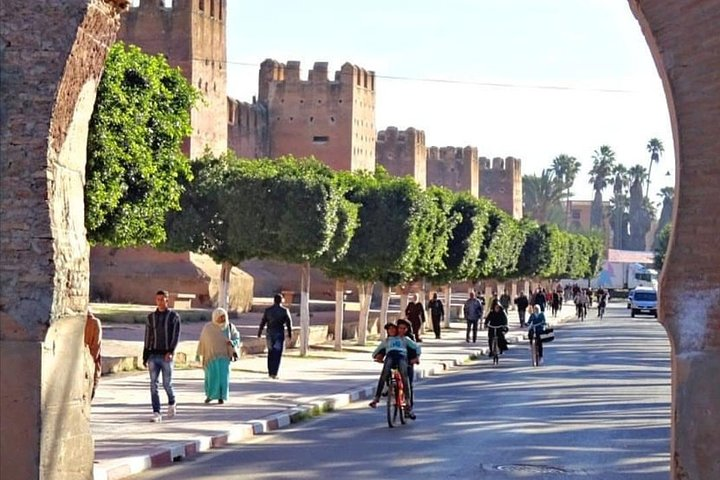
x=466 y=239
x=502 y=244
x=437 y=223
x=135 y=167
x=663 y=241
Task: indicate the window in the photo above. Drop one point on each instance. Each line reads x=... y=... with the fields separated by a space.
x=576 y=214
x=321 y=139
x=212 y=8
x=201 y=5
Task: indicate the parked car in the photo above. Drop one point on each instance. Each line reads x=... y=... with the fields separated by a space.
x=644 y=300
x=629 y=299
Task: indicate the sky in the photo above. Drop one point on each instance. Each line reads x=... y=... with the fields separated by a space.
x=530 y=79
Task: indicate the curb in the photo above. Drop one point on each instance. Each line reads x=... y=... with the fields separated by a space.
x=240 y=432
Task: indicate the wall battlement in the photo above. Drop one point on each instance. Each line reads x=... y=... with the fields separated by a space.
x=499 y=163
x=439 y=154
x=248 y=129
x=501 y=182
x=455 y=168
x=403 y=152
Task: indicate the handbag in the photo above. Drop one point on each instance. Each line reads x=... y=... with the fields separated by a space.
x=547 y=335
x=233 y=351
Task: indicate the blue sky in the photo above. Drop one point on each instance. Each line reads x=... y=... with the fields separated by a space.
x=525 y=78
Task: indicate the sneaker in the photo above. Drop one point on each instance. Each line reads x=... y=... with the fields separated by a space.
x=374 y=403
x=156 y=417
x=208 y=400
x=409 y=414
x=221 y=401
x=172 y=410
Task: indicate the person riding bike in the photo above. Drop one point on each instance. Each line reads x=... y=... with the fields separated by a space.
x=602 y=303
x=497 y=318
x=536 y=325
x=396 y=356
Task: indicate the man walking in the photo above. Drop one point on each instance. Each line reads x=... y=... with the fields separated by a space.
x=162 y=332
x=505 y=300
x=277 y=318
x=437 y=312
x=415 y=313
x=93 y=340
x=522 y=304
x=473 y=311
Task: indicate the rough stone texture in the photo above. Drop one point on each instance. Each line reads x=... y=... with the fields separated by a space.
x=333 y=120
x=454 y=168
x=192 y=38
x=501 y=182
x=51 y=63
x=403 y=153
x=684 y=39
x=248 y=129
x=133 y=275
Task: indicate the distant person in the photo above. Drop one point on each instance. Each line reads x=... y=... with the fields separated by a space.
x=473 y=312
x=93 y=340
x=522 y=303
x=277 y=318
x=437 y=313
x=536 y=325
x=505 y=300
x=539 y=299
x=162 y=333
x=556 y=302
x=415 y=314
x=217 y=347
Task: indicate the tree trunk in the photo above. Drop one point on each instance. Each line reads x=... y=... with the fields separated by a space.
x=384 y=303
x=365 y=294
x=339 y=313
x=304 y=309
x=448 y=305
x=421 y=295
x=403 y=302
x=224 y=290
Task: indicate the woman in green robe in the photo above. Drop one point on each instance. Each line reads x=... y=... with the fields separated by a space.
x=219 y=340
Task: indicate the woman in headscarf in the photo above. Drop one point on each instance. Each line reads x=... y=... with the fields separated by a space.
x=219 y=340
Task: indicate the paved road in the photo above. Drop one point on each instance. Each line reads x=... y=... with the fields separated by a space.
x=599 y=408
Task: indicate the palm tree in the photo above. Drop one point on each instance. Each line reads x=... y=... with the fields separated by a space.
x=600 y=177
x=640 y=215
x=620 y=181
x=540 y=195
x=655 y=147
x=566 y=169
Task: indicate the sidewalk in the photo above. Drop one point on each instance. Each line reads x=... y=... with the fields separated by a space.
x=126 y=442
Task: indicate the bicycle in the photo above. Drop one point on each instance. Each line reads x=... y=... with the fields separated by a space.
x=395 y=398
x=494 y=345
x=601 y=311
x=534 y=350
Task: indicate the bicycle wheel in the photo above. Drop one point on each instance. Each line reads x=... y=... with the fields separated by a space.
x=494 y=350
x=391 y=403
x=400 y=402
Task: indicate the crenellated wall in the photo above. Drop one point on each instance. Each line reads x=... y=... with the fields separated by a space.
x=403 y=153
x=501 y=182
x=455 y=168
x=248 y=133
x=333 y=120
x=191 y=35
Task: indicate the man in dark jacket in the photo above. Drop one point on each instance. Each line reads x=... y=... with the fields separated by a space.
x=437 y=312
x=522 y=304
x=277 y=318
x=162 y=332
x=415 y=313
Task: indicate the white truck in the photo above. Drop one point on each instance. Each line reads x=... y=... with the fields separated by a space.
x=626 y=270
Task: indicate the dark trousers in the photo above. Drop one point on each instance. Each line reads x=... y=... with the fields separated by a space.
x=416 y=326
x=436 y=326
x=521 y=316
x=394 y=359
x=471 y=324
x=531 y=335
x=275 y=345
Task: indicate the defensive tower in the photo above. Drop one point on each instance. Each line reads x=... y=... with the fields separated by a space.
x=501 y=182
x=455 y=168
x=333 y=120
x=248 y=129
x=191 y=34
x=403 y=153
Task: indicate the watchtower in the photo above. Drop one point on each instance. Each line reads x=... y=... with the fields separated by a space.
x=501 y=182
x=455 y=168
x=333 y=120
x=191 y=35
x=403 y=153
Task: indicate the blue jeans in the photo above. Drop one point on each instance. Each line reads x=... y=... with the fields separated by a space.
x=275 y=345
x=157 y=364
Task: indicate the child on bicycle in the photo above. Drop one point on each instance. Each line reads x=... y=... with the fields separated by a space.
x=536 y=325
x=396 y=356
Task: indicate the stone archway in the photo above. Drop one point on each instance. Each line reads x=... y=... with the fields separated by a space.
x=52 y=55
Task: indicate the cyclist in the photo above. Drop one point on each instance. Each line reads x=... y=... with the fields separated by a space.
x=396 y=356
x=602 y=303
x=536 y=324
x=497 y=318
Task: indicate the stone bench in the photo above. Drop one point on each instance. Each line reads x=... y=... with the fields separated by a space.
x=181 y=301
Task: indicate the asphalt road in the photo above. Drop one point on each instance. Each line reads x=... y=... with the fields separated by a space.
x=599 y=408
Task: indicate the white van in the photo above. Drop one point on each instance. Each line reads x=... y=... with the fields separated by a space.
x=644 y=300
